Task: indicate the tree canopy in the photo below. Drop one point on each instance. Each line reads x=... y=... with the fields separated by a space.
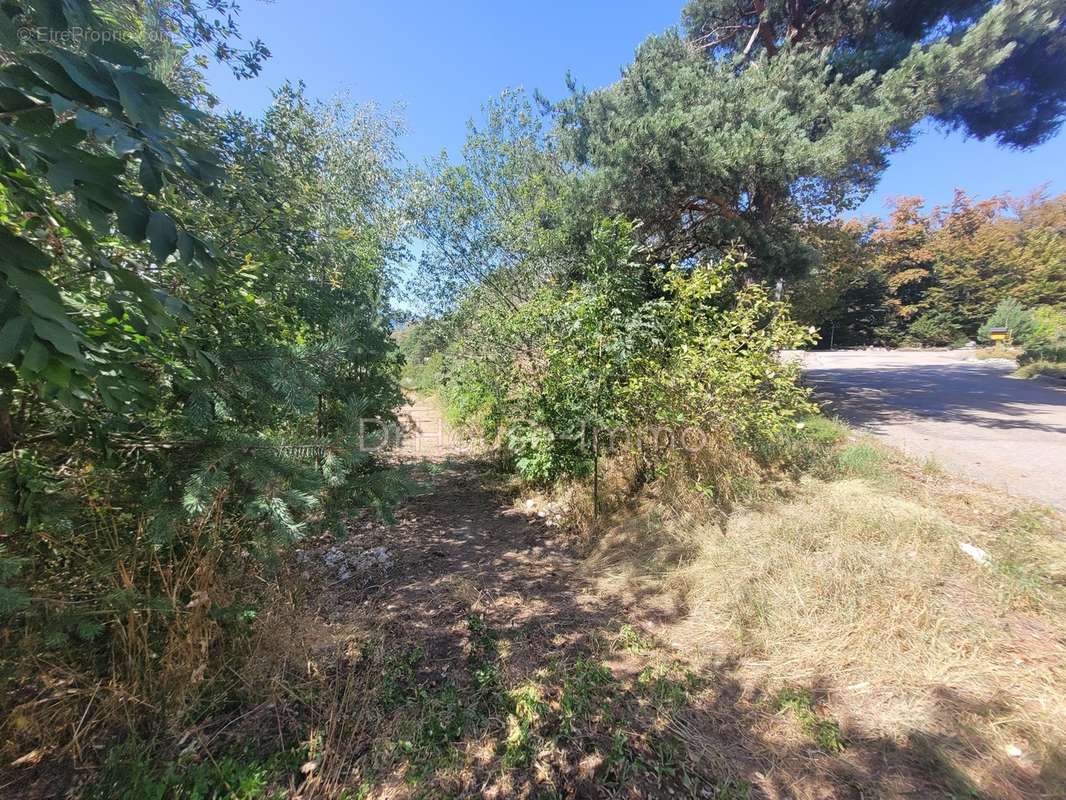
x=757 y=117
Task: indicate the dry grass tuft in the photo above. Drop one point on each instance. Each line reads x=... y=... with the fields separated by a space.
x=1046 y=368
x=858 y=585
x=999 y=351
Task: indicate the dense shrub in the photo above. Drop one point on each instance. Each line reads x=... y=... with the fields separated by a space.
x=1049 y=328
x=1052 y=355
x=623 y=361
x=935 y=328
x=192 y=323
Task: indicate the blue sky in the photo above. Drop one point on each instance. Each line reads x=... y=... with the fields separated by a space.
x=442 y=60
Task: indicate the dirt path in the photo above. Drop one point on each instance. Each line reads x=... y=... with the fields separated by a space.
x=502 y=654
x=464 y=542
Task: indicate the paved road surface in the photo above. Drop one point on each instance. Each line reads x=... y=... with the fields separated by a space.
x=967 y=414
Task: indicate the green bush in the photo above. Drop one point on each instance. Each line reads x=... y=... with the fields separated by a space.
x=1049 y=328
x=629 y=360
x=934 y=329
x=1011 y=314
x=1053 y=355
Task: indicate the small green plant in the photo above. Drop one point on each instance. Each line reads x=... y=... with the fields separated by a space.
x=861 y=460
x=131 y=774
x=527 y=708
x=824 y=731
x=619 y=761
x=482 y=658
x=587 y=693
x=398 y=678
x=667 y=687
x=629 y=638
x=932 y=467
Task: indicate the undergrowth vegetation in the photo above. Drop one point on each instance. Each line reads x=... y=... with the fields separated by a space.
x=194 y=325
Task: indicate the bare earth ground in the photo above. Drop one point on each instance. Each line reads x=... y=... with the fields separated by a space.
x=594 y=696
x=968 y=415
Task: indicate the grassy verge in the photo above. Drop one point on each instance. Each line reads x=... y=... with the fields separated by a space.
x=827 y=637
x=1045 y=368
x=849 y=597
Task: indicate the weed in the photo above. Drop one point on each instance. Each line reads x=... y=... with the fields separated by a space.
x=629 y=638
x=130 y=773
x=861 y=460
x=527 y=708
x=398 y=678
x=587 y=691
x=931 y=467
x=429 y=746
x=619 y=761
x=482 y=659
x=732 y=790
x=665 y=686
x=825 y=732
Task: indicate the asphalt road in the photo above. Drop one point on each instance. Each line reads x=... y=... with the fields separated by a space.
x=968 y=415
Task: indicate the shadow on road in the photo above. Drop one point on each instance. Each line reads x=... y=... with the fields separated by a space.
x=974 y=394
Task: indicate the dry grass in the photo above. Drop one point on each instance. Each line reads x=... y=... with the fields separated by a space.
x=858 y=586
x=1046 y=368
x=999 y=351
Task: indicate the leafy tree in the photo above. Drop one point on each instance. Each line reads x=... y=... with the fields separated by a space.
x=613 y=367
x=1039 y=253
x=491 y=223
x=934 y=328
x=903 y=254
x=845 y=294
x=947 y=268
x=193 y=322
x=93 y=126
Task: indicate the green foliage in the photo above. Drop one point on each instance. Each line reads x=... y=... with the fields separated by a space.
x=934 y=278
x=1014 y=316
x=193 y=324
x=626 y=360
x=1041 y=332
x=492 y=223
x=751 y=122
x=824 y=731
x=421 y=346
x=1049 y=329
x=934 y=328
x=131 y=774
x=861 y=460
x=91 y=146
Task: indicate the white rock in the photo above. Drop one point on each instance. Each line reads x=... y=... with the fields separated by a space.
x=974 y=552
x=1014 y=751
x=530 y=504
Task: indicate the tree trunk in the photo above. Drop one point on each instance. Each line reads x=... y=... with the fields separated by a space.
x=7 y=429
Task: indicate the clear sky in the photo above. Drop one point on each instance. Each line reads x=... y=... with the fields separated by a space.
x=442 y=59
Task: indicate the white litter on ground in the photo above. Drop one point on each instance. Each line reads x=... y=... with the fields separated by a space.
x=974 y=552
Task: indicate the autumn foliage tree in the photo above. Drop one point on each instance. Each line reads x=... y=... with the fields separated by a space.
x=950 y=265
